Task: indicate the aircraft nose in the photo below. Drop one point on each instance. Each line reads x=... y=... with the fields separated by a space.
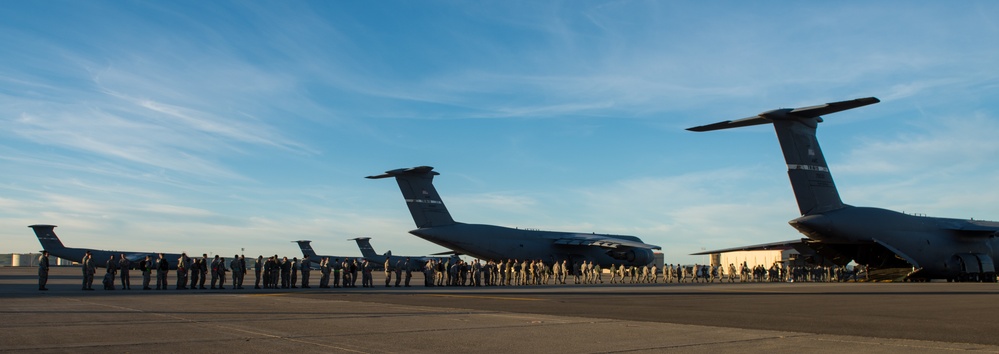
x=812 y=225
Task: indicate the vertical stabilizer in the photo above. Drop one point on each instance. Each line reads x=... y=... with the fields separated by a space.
x=806 y=166
x=364 y=245
x=306 y=247
x=47 y=237
x=418 y=190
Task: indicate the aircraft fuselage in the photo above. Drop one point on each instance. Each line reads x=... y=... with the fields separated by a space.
x=934 y=245
x=497 y=242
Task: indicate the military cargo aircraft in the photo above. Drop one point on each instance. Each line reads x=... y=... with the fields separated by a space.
x=306 y=246
x=928 y=247
x=50 y=242
x=364 y=244
x=434 y=224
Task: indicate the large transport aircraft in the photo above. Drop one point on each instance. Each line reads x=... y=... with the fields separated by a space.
x=50 y=242
x=368 y=252
x=921 y=247
x=489 y=242
x=364 y=244
x=306 y=246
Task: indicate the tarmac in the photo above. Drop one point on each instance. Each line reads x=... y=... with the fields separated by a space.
x=602 y=318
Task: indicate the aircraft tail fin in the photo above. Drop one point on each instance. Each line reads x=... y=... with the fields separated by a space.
x=364 y=244
x=306 y=246
x=47 y=237
x=417 y=186
x=806 y=166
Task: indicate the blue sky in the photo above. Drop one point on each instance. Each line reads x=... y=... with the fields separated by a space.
x=213 y=126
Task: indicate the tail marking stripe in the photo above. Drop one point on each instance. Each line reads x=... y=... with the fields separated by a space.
x=807 y=167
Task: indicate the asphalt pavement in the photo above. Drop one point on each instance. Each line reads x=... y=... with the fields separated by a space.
x=602 y=318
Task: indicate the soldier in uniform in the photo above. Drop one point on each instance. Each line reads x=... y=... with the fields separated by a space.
x=257 y=267
x=268 y=272
x=215 y=270
x=221 y=274
x=285 y=273
x=242 y=270
x=43 y=270
x=294 y=272
x=182 y=265
x=195 y=272
x=366 y=280
x=112 y=269
x=146 y=266
x=162 y=268
x=408 y=266
x=124 y=264
x=354 y=268
x=324 y=269
x=398 y=272
x=388 y=271
x=203 y=268
x=306 y=266
x=337 y=268
x=237 y=273
x=88 y=271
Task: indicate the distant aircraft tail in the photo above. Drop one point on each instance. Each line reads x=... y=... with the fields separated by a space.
x=46 y=235
x=418 y=189
x=306 y=247
x=364 y=245
x=806 y=166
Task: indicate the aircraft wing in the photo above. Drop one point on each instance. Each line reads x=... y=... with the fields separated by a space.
x=601 y=241
x=974 y=228
x=761 y=247
x=137 y=257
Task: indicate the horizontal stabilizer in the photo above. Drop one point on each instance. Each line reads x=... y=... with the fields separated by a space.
x=419 y=171
x=788 y=113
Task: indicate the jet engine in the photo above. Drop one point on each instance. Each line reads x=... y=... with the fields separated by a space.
x=638 y=256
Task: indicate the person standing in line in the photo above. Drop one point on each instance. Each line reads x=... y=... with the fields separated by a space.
x=398 y=272
x=388 y=271
x=195 y=272
x=124 y=265
x=215 y=270
x=294 y=272
x=221 y=274
x=408 y=266
x=354 y=268
x=236 y=272
x=368 y=268
x=88 y=271
x=43 y=271
x=242 y=270
x=337 y=267
x=268 y=272
x=203 y=268
x=306 y=268
x=257 y=268
x=324 y=270
x=182 y=266
x=112 y=270
x=162 y=268
x=285 y=273
x=145 y=266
